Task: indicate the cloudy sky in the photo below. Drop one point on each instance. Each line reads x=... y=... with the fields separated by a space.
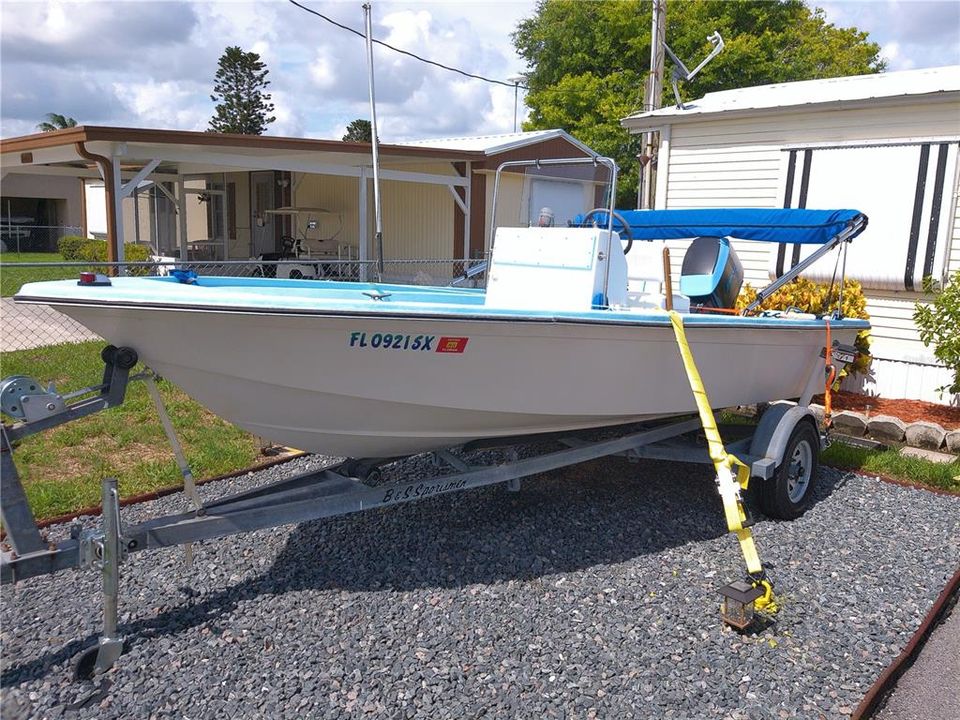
x=151 y=64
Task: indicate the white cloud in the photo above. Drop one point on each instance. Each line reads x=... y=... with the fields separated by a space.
x=164 y=104
x=911 y=33
x=151 y=64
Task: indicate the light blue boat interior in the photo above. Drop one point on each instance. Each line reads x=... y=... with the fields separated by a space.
x=308 y=296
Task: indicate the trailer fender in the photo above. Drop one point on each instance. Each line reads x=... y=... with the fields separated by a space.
x=773 y=433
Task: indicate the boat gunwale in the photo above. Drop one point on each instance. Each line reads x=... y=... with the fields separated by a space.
x=700 y=321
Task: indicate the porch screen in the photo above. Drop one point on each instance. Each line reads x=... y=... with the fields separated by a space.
x=907 y=191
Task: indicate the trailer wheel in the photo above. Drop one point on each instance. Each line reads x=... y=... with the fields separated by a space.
x=788 y=494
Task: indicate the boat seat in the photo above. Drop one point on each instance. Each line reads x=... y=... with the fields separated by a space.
x=645 y=279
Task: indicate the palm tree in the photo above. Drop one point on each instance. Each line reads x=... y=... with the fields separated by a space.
x=56 y=121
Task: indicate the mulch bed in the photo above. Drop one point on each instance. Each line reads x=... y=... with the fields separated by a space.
x=907 y=410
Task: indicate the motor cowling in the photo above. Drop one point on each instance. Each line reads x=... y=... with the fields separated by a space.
x=712 y=274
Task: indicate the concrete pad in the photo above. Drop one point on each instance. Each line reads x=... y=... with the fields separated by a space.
x=30 y=326
x=925 y=435
x=931 y=455
x=887 y=427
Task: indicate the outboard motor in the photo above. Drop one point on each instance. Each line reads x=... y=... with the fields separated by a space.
x=712 y=273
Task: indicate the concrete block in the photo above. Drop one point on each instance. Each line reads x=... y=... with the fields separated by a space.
x=850 y=422
x=886 y=427
x=925 y=435
x=931 y=455
x=952 y=441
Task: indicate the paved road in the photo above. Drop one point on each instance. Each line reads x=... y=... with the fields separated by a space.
x=30 y=326
x=930 y=689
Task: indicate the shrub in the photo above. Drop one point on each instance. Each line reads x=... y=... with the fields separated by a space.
x=95 y=251
x=811 y=297
x=939 y=325
x=69 y=247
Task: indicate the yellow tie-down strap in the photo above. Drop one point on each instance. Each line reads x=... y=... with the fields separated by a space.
x=730 y=487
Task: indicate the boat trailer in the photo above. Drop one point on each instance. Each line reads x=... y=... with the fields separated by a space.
x=348 y=487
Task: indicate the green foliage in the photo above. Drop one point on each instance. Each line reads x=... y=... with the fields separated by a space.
x=242 y=105
x=811 y=297
x=359 y=130
x=589 y=60
x=939 y=325
x=69 y=246
x=55 y=121
x=95 y=251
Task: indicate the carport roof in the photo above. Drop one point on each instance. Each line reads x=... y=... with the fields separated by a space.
x=240 y=144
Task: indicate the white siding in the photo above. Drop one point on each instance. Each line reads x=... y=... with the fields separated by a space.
x=738 y=162
x=953 y=261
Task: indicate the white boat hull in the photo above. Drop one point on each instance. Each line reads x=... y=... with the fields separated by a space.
x=318 y=383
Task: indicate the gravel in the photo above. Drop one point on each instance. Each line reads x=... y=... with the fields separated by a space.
x=591 y=592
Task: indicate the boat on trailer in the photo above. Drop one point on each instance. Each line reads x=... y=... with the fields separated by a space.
x=576 y=331
x=569 y=334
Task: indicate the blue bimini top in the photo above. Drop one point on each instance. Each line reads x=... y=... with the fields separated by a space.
x=796 y=226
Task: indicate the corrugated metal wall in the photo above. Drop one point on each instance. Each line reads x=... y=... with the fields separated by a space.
x=334 y=193
x=417 y=217
x=417 y=221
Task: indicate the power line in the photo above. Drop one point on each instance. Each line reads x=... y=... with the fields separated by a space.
x=407 y=53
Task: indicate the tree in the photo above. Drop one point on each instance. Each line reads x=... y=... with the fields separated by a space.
x=358 y=131
x=242 y=105
x=588 y=61
x=55 y=121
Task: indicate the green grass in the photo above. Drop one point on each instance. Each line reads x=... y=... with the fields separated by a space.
x=61 y=469
x=11 y=278
x=890 y=463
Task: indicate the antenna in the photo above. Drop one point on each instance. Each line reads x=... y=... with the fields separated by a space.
x=374 y=142
x=680 y=72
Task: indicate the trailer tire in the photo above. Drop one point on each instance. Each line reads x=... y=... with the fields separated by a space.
x=788 y=494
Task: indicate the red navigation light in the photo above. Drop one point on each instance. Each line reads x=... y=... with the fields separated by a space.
x=93 y=279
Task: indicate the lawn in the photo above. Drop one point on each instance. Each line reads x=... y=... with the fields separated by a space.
x=61 y=469
x=890 y=463
x=11 y=278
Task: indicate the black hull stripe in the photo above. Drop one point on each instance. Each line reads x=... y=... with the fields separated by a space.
x=935 y=210
x=915 y=222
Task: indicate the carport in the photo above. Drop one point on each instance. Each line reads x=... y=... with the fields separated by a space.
x=177 y=166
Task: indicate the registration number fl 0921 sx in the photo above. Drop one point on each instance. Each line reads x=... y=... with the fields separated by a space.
x=413 y=343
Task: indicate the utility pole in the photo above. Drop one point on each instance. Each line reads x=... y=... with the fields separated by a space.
x=516 y=80
x=653 y=91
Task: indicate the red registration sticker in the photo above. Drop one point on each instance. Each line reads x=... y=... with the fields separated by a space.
x=452 y=344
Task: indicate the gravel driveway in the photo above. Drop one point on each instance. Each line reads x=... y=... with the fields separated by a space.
x=589 y=593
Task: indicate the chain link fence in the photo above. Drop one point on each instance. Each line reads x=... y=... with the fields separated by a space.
x=25 y=327
x=18 y=239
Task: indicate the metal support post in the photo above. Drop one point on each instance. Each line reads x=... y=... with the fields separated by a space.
x=105 y=552
x=15 y=509
x=111 y=645
x=189 y=484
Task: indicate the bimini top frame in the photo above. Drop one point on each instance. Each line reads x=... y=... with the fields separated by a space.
x=596 y=160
